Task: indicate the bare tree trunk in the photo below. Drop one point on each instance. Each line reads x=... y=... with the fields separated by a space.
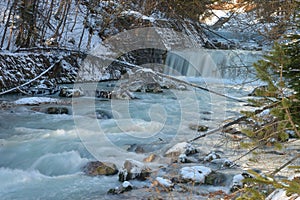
x=88 y=46
x=76 y=14
x=11 y=10
x=81 y=37
x=65 y=16
x=58 y=12
x=48 y=17
x=10 y=33
x=83 y=30
x=5 y=11
x=63 y=19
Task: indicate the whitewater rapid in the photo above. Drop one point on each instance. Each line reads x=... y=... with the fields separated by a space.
x=42 y=155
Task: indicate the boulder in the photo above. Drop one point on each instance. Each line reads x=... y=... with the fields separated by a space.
x=196 y=174
x=199 y=128
x=133 y=169
x=146 y=80
x=183 y=158
x=223 y=163
x=57 y=110
x=143 y=86
x=163 y=182
x=237 y=181
x=103 y=114
x=215 y=178
x=69 y=92
x=125 y=187
x=103 y=94
x=136 y=148
x=150 y=158
x=181 y=148
x=96 y=168
x=211 y=156
x=122 y=94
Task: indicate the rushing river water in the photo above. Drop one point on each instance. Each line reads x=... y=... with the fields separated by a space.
x=42 y=155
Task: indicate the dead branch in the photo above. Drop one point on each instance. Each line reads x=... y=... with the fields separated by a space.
x=285 y=164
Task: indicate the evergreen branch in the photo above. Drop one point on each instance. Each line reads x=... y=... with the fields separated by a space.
x=287 y=111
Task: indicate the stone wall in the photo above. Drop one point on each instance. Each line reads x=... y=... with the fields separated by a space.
x=19 y=68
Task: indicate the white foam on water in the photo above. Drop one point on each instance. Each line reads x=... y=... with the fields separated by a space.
x=10 y=177
x=55 y=164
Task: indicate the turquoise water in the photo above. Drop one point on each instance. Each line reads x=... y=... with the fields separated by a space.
x=42 y=155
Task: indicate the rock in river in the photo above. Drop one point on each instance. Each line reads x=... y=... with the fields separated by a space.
x=133 y=169
x=57 y=110
x=69 y=92
x=181 y=148
x=95 y=168
x=196 y=174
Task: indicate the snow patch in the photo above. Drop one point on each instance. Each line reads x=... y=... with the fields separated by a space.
x=138 y=15
x=35 y=100
x=195 y=173
x=164 y=182
x=126 y=184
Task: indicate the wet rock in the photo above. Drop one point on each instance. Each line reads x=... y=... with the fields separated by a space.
x=183 y=158
x=237 y=181
x=69 y=92
x=96 y=168
x=103 y=114
x=125 y=187
x=57 y=110
x=103 y=94
x=133 y=169
x=176 y=150
x=141 y=86
x=215 y=178
x=181 y=148
x=231 y=130
x=223 y=163
x=211 y=156
x=136 y=148
x=196 y=174
x=146 y=80
x=122 y=94
x=199 y=128
x=150 y=158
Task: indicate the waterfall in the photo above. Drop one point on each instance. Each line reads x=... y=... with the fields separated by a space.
x=208 y=63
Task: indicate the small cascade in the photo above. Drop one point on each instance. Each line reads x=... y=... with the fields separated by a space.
x=205 y=63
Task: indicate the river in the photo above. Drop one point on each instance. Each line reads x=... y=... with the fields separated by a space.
x=42 y=155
